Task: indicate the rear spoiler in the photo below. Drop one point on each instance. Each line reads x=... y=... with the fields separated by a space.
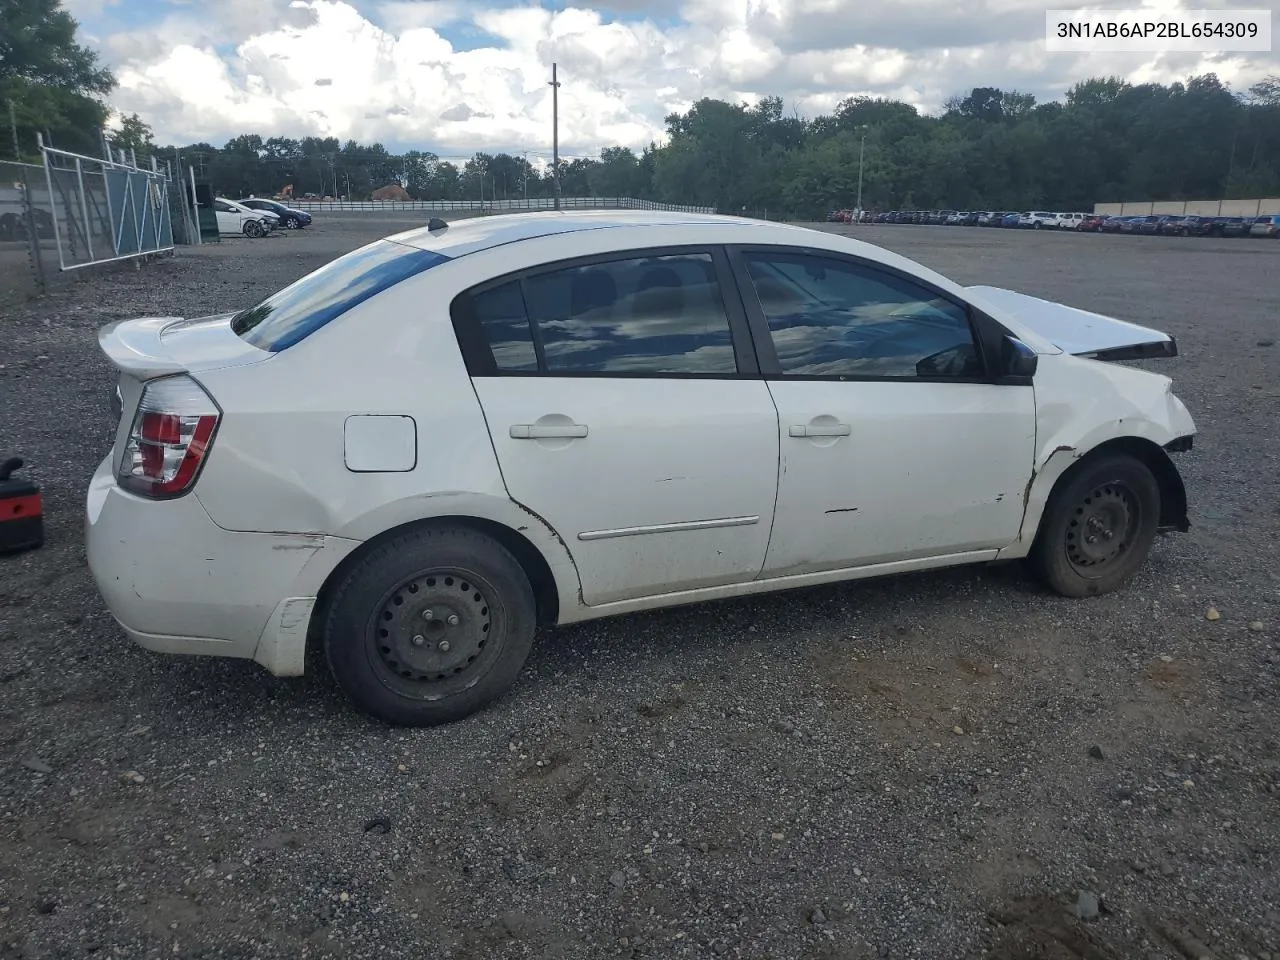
x=133 y=347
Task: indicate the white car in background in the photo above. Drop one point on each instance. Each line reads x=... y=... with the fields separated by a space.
x=1069 y=221
x=424 y=450
x=1038 y=220
x=235 y=219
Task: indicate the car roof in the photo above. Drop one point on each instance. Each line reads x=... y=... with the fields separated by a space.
x=473 y=234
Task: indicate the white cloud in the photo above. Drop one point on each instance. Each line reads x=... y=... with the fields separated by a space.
x=388 y=71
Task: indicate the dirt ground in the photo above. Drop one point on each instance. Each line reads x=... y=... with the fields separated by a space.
x=931 y=766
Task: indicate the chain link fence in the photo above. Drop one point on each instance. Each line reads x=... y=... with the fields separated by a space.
x=104 y=211
x=489 y=206
x=26 y=227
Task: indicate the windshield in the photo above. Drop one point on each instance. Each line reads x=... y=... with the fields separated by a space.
x=303 y=307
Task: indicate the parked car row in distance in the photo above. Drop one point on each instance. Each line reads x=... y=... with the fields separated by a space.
x=1267 y=226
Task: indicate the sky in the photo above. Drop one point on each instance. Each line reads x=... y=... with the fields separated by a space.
x=457 y=76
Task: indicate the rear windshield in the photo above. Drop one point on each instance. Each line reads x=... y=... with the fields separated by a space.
x=306 y=305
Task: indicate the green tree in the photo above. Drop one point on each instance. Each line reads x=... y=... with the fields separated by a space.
x=53 y=82
x=134 y=135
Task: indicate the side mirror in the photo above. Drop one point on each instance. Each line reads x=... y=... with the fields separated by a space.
x=1017 y=359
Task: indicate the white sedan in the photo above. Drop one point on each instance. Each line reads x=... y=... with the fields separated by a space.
x=235 y=218
x=424 y=450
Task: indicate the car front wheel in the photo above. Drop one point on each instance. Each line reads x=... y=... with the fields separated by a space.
x=292 y=223
x=253 y=228
x=1098 y=526
x=431 y=625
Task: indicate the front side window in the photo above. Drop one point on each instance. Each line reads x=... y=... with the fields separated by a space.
x=641 y=315
x=306 y=305
x=831 y=318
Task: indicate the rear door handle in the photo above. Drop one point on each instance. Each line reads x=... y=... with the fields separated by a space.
x=551 y=431
x=818 y=430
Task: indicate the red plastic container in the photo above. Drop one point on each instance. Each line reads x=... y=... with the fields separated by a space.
x=21 y=511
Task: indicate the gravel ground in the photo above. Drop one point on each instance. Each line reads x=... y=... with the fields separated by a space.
x=930 y=766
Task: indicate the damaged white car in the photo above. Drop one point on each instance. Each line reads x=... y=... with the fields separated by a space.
x=419 y=453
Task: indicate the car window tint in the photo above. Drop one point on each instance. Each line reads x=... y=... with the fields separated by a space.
x=502 y=317
x=830 y=318
x=661 y=314
x=306 y=305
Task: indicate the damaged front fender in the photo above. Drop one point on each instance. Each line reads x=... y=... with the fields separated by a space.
x=1086 y=409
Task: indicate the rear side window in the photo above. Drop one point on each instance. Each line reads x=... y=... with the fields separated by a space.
x=306 y=305
x=649 y=315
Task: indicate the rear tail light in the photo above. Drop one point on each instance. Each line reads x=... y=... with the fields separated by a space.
x=169 y=439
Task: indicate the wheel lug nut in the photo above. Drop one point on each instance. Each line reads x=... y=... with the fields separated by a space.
x=444 y=646
x=453 y=619
x=426 y=614
x=419 y=640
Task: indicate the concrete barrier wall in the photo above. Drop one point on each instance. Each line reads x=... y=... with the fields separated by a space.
x=1239 y=208
x=1202 y=208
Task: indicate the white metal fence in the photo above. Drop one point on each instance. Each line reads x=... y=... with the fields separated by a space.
x=492 y=206
x=103 y=211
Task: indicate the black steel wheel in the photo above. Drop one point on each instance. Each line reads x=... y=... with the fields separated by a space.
x=428 y=636
x=431 y=625
x=1098 y=526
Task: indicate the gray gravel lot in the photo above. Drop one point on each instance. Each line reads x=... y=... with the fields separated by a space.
x=777 y=777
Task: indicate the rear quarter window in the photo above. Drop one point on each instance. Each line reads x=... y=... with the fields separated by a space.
x=300 y=309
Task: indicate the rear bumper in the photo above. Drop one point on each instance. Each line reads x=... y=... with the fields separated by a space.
x=178 y=583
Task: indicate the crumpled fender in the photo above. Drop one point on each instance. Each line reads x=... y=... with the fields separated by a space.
x=1081 y=404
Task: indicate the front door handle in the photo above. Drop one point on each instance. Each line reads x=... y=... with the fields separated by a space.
x=548 y=431
x=818 y=430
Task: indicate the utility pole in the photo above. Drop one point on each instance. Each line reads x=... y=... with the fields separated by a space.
x=861 y=151
x=13 y=127
x=555 y=136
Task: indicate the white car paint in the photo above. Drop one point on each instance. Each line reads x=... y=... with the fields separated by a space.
x=636 y=493
x=952 y=462
x=1038 y=219
x=232 y=217
x=1071 y=329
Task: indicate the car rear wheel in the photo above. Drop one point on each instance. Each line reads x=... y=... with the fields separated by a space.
x=431 y=625
x=1098 y=527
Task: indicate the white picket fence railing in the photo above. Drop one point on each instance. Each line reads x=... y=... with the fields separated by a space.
x=492 y=206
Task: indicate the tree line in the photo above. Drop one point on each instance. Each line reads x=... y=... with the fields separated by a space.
x=1107 y=140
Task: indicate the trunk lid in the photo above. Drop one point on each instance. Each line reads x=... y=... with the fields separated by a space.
x=1076 y=331
x=150 y=347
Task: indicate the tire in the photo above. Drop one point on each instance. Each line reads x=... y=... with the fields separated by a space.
x=1097 y=499
x=253 y=228
x=407 y=670
x=291 y=223
x=1037 y=225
